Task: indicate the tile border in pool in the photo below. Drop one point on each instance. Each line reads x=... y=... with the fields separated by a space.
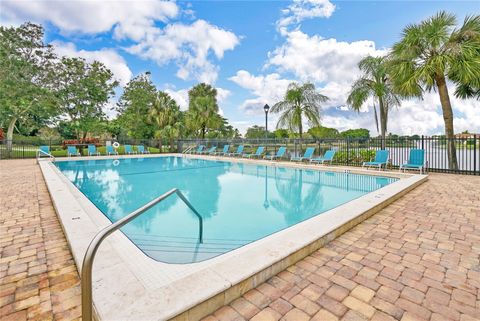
x=154 y=290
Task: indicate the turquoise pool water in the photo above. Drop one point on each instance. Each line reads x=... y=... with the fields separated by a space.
x=239 y=203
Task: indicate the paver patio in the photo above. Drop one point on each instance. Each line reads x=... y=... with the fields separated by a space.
x=38 y=277
x=418 y=259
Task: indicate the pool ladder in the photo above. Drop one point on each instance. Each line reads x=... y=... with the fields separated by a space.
x=86 y=281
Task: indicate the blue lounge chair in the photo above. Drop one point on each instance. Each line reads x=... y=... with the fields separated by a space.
x=239 y=152
x=416 y=160
x=72 y=151
x=92 y=150
x=43 y=150
x=280 y=153
x=328 y=157
x=381 y=159
x=129 y=150
x=111 y=151
x=258 y=153
x=307 y=155
x=224 y=150
x=141 y=149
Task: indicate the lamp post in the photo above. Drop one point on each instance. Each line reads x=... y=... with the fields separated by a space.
x=266 y=108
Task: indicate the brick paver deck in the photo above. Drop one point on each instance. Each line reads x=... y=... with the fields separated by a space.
x=38 y=278
x=417 y=259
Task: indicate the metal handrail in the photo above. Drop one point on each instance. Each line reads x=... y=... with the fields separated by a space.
x=44 y=153
x=86 y=281
x=188 y=149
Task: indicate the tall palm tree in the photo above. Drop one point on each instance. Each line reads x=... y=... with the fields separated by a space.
x=374 y=83
x=299 y=101
x=166 y=114
x=433 y=51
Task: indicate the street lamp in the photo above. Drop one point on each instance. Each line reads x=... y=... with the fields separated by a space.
x=266 y=108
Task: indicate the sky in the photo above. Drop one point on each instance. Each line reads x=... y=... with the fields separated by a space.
x=249 y=50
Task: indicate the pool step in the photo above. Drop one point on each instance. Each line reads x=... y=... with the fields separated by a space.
x=170 y=249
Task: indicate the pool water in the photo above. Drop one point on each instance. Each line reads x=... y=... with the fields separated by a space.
x=239 y=203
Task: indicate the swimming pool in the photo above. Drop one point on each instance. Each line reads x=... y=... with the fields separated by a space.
x=239 y=202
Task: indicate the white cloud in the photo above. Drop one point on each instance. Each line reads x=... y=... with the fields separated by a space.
x=109 y=57
x=180 y=96
x=313 y=58
x=267 y=89
x=189 y=46
x=92 y=16
x=301 y=10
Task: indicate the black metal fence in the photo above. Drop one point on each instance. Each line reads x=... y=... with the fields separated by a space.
x=349 y=151
x=29 y=148
x=355 y=151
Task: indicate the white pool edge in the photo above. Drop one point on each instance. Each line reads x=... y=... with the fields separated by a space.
x=143 y=293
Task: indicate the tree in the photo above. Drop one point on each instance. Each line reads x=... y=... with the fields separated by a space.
x=323 y=132
x=225 y=130
x=356 y=133
x=134 y=107
x=202 y=114
x=166 y=115
x=375 y=83
x=281 y=133
x=258 y=132
x=26 y=77
x=299 y=101
x=84 y=89
x=433 y=51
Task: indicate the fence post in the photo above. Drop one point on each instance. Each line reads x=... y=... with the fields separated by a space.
x=348 y=150
x=423 y=142
x=475 y=155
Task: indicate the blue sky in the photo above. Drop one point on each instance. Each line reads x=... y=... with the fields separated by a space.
x=250 y=50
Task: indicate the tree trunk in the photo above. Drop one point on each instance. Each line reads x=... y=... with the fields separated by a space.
x=383 y=121
x=448 y=119
x=11 y=126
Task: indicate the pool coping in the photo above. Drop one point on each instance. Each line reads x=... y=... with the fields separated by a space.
x=199 y=288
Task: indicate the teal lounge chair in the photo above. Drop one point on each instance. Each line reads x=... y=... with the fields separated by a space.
x=72 y=151
x=280 y=153
x=111 y=151
x=328 y=157
x=141 y=149
x=307 y=155
x=212 y=150
x=224 y=150
x=43 y=150
x=129 y=150
x=381 y=159
x=258 y=153
x=199 y=150
x=416 y=160
x=239 y=152
x=92 y=150
x=209 y=151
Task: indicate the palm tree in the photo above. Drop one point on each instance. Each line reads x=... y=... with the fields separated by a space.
x=299 y=101
x=433 y=51
x=203 y=114
x=166 y=114
x=374 y=83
